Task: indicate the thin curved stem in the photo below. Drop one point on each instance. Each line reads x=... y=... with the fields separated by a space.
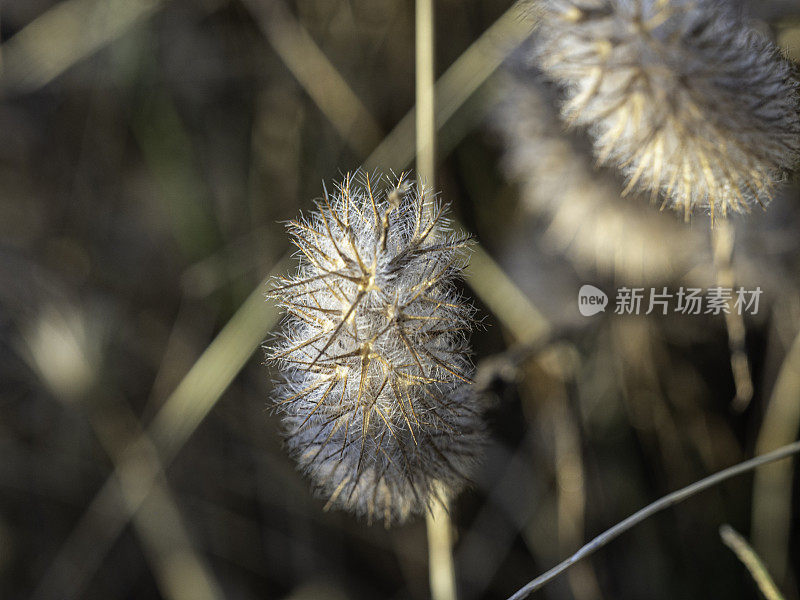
x=649 y=510
x=745 y=553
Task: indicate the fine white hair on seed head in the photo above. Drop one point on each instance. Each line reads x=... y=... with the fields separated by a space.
x=691 y=103
x=374 y=389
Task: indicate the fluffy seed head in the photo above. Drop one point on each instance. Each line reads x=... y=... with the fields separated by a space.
x=585 y=216
x=373 y=357
x=682 y=96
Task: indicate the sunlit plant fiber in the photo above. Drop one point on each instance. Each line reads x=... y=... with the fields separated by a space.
x=374 y=359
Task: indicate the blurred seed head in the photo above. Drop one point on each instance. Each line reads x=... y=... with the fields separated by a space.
x=682 y=96
x=374 y=359
x=64 y=349
x=586 y=217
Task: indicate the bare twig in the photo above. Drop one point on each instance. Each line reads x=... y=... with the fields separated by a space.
x=651 y=509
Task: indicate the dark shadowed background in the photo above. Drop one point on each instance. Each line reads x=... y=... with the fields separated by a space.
x=149 y=150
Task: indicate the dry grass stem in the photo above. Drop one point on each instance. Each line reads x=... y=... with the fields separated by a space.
x=750 y=559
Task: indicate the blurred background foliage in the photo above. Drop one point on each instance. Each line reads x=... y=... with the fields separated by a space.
x=150 y=150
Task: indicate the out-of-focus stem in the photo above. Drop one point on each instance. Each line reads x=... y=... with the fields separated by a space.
x=440 y=551
x=750 y=559
x=426 y=124
x=772 y=486
x=502 y=296
x=440 y=543
x=722 y=236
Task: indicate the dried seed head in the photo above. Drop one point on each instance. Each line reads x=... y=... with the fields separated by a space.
x=373 y=357
x=682 y=96
x=586 y=218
